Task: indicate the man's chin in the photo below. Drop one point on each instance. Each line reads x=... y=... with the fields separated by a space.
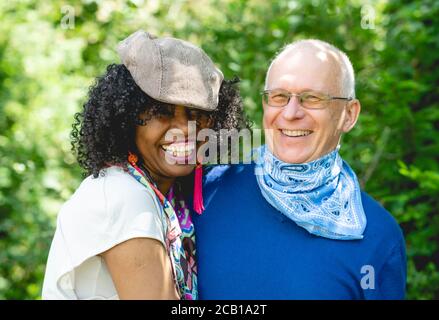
x=293 y=156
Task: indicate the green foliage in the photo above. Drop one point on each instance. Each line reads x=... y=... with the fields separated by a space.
x=45 y=71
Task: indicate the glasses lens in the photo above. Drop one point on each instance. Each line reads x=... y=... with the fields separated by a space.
x=312 y=100
x=276 y=98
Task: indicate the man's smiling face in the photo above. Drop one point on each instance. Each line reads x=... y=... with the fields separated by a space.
x=293 y=133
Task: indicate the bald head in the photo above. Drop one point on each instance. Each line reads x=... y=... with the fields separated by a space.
x=319 y=54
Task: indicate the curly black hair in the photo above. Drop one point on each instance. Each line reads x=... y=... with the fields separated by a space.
x=104 y=131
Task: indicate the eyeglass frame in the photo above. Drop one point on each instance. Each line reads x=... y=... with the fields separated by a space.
x=298 y=95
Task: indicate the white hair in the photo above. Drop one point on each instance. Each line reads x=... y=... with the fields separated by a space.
x=347 y=81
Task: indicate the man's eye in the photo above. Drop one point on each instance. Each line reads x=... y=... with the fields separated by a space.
x=311 y=98
x=279 y=97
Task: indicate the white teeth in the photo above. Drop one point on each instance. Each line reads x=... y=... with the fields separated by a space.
x=296 y=133
x=180 y=149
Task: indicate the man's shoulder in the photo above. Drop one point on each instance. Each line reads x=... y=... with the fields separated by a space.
x=226 y=173
x=381 y=225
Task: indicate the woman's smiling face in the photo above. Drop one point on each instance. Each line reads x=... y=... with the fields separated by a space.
x=164 y=158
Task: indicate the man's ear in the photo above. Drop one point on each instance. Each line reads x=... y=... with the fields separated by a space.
x=352 y=112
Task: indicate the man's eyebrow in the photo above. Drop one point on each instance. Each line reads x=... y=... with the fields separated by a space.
x=298 y=91
x=309 y=89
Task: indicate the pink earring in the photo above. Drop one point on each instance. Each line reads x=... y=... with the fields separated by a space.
x=198 y=189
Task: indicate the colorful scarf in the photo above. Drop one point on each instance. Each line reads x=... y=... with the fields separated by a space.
x=322 y=196
x=180 y=235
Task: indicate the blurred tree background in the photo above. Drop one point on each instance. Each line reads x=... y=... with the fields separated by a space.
x=50 y=52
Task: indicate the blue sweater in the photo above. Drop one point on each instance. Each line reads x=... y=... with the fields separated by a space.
x=247 y=249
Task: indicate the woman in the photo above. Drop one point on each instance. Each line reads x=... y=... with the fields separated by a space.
x=127 y=232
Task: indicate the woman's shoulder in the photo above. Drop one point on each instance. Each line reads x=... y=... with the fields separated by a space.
x=102 y=213
x=118 y=181
x=111 y=181
x=106 y=195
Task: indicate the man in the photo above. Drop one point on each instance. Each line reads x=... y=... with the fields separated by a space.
x=295 y=225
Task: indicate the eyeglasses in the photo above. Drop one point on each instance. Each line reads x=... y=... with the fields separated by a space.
x=307 y=99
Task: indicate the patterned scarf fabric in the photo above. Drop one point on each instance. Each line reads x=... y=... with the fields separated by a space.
x=188 y=262
x=322 y=196
x=180 y=236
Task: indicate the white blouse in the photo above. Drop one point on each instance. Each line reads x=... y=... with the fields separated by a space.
x=102 y=213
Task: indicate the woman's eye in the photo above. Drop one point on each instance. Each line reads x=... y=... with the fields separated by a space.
x=165 y=111
x=170 y=110
x=192 y=114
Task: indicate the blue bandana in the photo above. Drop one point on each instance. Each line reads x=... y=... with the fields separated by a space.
x=322 y=196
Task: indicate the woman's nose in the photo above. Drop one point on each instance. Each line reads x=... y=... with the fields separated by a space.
x=181 y=119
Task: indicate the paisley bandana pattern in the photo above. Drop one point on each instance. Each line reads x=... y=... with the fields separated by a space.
x=322 y=196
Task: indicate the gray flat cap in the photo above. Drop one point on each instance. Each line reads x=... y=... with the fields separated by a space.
x=171 y=70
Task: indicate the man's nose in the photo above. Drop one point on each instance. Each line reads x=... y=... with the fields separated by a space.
x=293 y=109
